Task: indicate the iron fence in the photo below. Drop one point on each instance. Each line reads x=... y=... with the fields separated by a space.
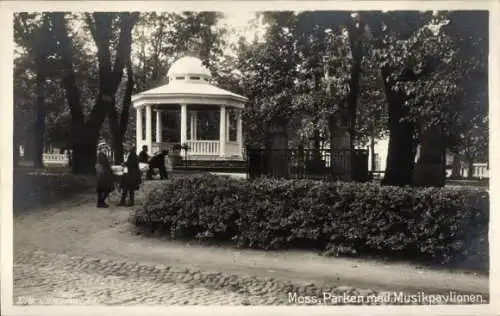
x=307 y=163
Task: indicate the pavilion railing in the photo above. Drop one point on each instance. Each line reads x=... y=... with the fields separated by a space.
x=203 y=147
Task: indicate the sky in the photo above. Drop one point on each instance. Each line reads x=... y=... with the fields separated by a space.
x=241 y=21
x=243 y=24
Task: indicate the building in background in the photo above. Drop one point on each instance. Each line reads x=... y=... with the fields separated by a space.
x=481 y=169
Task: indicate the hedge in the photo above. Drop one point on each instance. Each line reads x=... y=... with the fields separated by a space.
x=33 y=189
x=336 y=218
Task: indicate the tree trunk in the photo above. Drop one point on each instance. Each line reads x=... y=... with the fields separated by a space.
x=277 y=159
x=83 y=154
x=84 y=150
x=41 y=54
x=402 y=145
x=85 y=142
x=430 y=167
x=401 y=151
x=372 y=149
x=83 y=139
x=340 y=148
x=355 y=38
x=39 y=126
x=85 y=134
x=119 y=127
x=456 y=166
x=317 y=145
x=116 y=135
x=118 y=150
x=470 y=165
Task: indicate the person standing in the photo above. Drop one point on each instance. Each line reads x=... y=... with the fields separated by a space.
x=143 y=155
x=105 y=181
x=144 y=160
x=131 y=179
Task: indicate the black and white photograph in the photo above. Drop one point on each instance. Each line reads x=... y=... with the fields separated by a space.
x=277 y=157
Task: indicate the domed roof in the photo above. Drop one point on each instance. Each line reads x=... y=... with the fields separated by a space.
x=188 y=80
x=188 y=66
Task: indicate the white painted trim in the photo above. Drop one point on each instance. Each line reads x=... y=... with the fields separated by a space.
x=172 y=77
x=138 y=128
x=222 y=130
x=159 y=127
x=239 y=131
x=149 y=132
x=191 y=125
x=183 y=123
x=163 y=100
x=195 y=118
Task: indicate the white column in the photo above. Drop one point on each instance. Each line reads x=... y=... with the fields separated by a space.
x=138 y=129
x=191 y=125
x=159 y=127
x=228 y=122
x=239 y=132
x=149 y=140
x=183 y=123
x=195 y=126
x=222 y=131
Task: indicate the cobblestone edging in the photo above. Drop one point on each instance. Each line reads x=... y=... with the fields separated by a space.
x=48 y=278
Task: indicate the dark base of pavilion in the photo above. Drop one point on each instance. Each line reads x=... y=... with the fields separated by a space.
x=229 y=166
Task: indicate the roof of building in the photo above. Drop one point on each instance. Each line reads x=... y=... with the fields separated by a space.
x=188 y=65
x=189 y=87
x=188 y=77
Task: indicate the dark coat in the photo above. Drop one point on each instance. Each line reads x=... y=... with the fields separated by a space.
x=105 y=180
x=143 y=157
x=132 y=179
x=158 y=161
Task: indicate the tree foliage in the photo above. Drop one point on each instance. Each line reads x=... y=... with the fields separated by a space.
x=468 y=129
x=112 y=55
x=32 y=33
x=161 y=38
x=404 y=74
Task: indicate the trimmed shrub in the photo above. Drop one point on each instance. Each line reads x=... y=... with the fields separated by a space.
x=33 y=189
x=335 y=218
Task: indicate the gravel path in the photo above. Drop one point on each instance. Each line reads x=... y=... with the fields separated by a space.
x=58 y=279
x=48 y=278
x=74 y=253
x=42 y=278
